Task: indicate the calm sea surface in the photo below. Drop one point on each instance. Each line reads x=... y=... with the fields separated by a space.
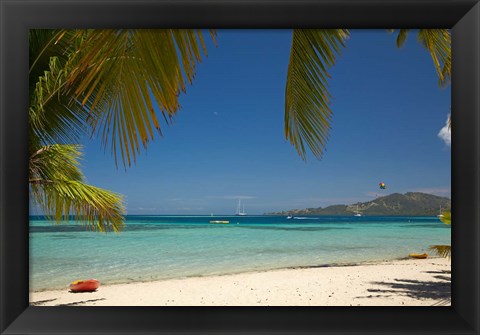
x=160 y=247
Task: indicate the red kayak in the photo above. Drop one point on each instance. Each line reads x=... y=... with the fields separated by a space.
x=88 y=285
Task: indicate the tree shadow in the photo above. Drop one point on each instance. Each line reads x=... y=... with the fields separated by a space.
x=41 y=302
x=437 y=290
x=80 y=302
x=446 y=278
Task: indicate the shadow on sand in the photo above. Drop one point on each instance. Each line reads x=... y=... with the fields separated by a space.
x=416 y=289
x=75 y=303
x=41 y=302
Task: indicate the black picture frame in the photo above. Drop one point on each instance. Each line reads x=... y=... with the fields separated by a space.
x=17 y=16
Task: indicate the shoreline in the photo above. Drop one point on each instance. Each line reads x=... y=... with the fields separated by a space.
x=293 y=267
x=401 y=282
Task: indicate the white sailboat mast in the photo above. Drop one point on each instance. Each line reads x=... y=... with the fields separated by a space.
x=238 y=207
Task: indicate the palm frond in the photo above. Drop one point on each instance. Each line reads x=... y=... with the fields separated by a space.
x=44 y=44
x=444 y=251
x=438 y=42
x=54 y=117
x=56 y=185
x=402 y=37
x=307 y=100
x=446 y=217
x=98 y=208
x=57 y=161
x=110 y=81
x=122 y=76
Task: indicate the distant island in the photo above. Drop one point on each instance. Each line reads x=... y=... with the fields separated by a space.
x=411 y=203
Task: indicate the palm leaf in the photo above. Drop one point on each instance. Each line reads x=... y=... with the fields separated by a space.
x=56 y=185
x=444 y=251
x=122 y=76
x=307 y=100
x=99 y=209
x=56 y=162
x=446 y=217
x=438 y=43
x=54 y=116
x=402 y=37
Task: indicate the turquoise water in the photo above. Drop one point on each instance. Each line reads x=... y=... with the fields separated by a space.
x=160 y=247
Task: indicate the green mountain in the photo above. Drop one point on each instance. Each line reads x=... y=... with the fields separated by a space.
x=411 y=204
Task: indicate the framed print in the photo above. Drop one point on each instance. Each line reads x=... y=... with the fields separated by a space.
x=309 y=173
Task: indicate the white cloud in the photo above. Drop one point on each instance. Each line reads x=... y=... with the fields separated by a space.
x=445 y=133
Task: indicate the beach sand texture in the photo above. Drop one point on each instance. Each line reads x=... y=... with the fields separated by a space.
x=412 y=282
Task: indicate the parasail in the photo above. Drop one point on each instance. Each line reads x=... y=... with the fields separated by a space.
x=382 y=185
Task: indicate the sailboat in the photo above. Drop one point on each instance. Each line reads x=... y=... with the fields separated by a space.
x=240 y=211
x=357 y=213
x=440 y=215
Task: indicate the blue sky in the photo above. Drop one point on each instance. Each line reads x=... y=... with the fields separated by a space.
x=227 y=142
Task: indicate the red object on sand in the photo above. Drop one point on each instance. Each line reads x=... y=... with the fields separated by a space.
x=88 y=285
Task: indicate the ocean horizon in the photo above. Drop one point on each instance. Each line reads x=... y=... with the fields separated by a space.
x=157 y=247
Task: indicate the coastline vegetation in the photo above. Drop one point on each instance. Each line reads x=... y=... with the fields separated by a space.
x=395 y=204
x=444 y=250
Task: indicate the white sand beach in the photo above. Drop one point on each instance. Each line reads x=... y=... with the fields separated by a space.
x=412 y=282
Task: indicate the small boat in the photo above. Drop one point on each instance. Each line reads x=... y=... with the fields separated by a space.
x=358 y=213
x=289 y=217
x=419 y=256
x=239 y=211
x=440 y=213
x=219 y=221
x=88 y=285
